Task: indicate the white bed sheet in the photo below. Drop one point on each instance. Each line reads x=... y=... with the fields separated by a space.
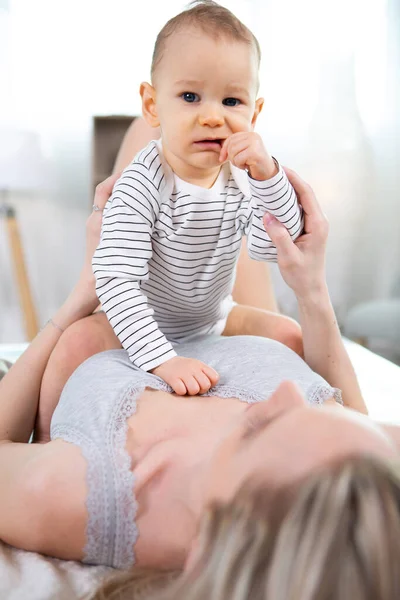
x=26 y=575
x=36 y=577
x=379 y=380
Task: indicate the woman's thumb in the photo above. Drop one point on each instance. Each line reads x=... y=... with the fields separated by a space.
x=278 y=233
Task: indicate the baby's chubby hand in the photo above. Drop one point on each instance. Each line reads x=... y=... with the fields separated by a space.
x=246 y=150
x=187 y=375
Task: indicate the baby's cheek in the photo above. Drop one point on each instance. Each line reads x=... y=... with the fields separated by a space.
x=241 y=123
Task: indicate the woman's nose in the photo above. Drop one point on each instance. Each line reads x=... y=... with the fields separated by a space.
x=286 y=397
x=211 y=116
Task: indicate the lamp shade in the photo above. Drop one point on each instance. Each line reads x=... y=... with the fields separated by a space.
x=22 y=165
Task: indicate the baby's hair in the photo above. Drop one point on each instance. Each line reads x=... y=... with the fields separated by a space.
x=212 y=19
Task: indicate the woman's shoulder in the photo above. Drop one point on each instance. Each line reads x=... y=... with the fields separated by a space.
x=104 y=364
x=103 y=374
x=104 y=383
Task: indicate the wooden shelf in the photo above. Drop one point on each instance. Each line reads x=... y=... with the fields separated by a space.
x=107 y=134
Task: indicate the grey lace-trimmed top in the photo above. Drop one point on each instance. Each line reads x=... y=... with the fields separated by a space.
x=101 y=395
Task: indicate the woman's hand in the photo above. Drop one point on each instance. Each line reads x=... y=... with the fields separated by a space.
x=301 y=263
x=87 y=283
x=83 y=300
x=93 y=224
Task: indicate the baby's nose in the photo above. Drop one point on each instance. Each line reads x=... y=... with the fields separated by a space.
x=211 y=116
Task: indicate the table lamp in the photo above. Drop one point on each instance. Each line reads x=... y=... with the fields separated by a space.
x=22 y=169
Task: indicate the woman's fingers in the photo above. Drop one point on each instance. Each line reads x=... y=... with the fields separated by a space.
x=93 y=223
x=104 y=190
x=301 y=263
x=279 y=236
x=315 y=219
x=304 y=192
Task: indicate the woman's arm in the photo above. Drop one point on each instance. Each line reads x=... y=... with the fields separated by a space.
x=19 y=389
x=302 y=265
x=323 y=346
x=137 y=136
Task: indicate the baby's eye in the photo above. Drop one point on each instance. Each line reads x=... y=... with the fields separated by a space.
x=231 y=101
x=190 y=97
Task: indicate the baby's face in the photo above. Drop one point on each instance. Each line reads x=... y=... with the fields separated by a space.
x=205 y=91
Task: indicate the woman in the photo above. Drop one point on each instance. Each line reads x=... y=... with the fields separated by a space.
x=115 y=485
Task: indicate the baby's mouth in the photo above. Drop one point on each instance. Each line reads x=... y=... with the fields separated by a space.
x=214 y=142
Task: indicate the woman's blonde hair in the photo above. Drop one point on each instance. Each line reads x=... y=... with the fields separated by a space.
x=335 y=536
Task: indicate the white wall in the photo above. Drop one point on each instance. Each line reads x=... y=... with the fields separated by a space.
x=329 y=76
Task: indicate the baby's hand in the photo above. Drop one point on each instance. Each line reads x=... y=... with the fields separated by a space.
x=187 y=375
x=246 y=150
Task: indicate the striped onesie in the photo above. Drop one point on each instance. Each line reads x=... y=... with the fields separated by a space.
x=165 y=264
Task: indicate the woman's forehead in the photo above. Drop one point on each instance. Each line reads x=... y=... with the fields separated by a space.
x=308 y=438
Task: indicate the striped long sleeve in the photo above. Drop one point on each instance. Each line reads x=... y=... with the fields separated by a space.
x=121 y=261
x=276 y=196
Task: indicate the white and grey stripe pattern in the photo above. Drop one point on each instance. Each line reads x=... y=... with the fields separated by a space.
x=165 y=264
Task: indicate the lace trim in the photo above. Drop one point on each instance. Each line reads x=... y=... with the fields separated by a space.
x=96 y=551
x=318 y=393
x=126 y=532
x=227 y=391
x=111 y=530
x=337 y=395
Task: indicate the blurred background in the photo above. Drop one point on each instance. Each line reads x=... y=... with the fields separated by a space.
x=330 y=78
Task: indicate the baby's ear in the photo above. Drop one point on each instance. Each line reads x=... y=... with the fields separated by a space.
x=257 y=109
x=149 y=109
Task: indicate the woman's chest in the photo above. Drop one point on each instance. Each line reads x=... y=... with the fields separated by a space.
x=168 y=438
x=196 y=422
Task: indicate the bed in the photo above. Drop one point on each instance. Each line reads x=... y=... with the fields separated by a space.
x=28 y=575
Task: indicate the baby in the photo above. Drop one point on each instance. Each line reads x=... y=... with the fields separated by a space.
x=172 y=229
